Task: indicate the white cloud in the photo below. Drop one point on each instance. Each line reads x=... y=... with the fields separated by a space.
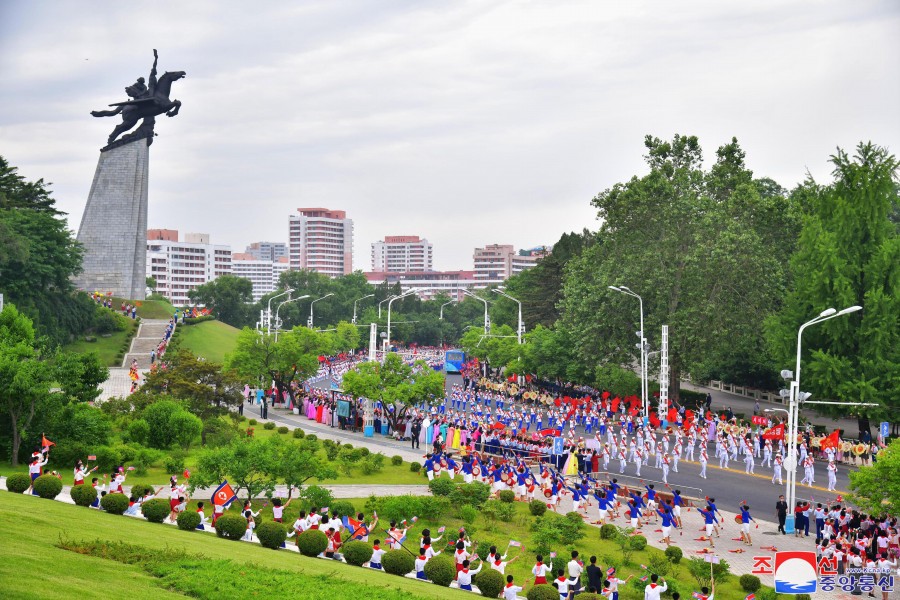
x=464 y=122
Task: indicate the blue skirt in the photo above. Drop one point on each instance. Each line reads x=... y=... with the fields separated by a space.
x=466 y=586
x=421 y=575
x=375 y=566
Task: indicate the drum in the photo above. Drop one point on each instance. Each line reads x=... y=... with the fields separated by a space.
x=530 y=488
x=436 y=468
x=737 y=519
x=476 y=471
x=504 y=477
x=548 y=493
x=444 y=462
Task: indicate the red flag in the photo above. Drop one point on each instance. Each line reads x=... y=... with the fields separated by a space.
x=224 y=495
x=605 y=395
x=549 y=432
x=654 y=421
x=498 y=426
x=688 y=415
x=757 y=420
x=774 y=433
x=672 y=416
x=45 y=443
x=832 y=440
x=528 y=379
x=557 y=402
x=511 y=378
x=187 y=474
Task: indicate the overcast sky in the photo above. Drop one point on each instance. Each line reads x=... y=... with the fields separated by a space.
x=467 y=123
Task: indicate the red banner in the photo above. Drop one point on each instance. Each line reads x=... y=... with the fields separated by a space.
x=774 y=433
x=759 y=420
x=831 y=441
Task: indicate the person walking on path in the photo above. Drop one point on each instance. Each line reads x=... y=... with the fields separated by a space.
x=781 y=509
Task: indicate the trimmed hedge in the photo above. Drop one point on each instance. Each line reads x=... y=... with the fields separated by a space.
x=537 y=508
x=398 y=562
x=357 y=553
x=83 y=495
x=441 y=487
x=588 y=596
x=155 y=510
x=415 y=467
x=283 y=429
x=490 y=583
x=231 y=527
x=188 y=521
x=507 y=496
x=750 y=583
x=544 y=591
x=674 y=554
x=396 y=460
x=114 y=504
x=141 y=490
x=270 y=425
x=608 y=531
x=271 y=534
x=312 y=542
x=441 y=570
x=638 y=542
x=48 y=486
x=17 y=483
x=298 y=434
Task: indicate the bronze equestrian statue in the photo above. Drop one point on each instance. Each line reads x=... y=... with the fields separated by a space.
x=146 y=102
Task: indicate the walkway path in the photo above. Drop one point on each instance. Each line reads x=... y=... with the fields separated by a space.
x=149 y=334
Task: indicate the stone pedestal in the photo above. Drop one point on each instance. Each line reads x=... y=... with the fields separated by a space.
x=114 y=225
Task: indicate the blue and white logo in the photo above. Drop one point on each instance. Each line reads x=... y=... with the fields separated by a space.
x=795 y=572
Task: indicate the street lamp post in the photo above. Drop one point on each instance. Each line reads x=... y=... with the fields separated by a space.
x=794 y=410
x=487 y=319
x=644 y=386
x=442 y=308
x=309 y=323
x=269 y=310
x=520 y=330
x=277 y=322
x=382 y=302
x=354 y=307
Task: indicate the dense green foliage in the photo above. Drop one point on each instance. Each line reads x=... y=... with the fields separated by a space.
x=48 y=486
x=356 y=553
x=537 y=508
x=155 y=510
x=227 y=296
x=188 y=520
x=231 y=526
x=312 y=542
x=750 y=583
x=398 y=562
x=544 y=591
x=83 y=495
x=271 y=534
x=876 y=488
x=114 y=504
x=489 y=582
x=441 y=570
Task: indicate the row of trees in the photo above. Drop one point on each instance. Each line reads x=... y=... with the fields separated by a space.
x=733 y=264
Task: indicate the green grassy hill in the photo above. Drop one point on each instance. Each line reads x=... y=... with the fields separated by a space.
x=32 y=566
x=210 y=339
x=110 y=349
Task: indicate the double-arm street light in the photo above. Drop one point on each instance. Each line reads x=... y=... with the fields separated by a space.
x=487 y=319
x=520 y=329
x=643 y=345
x=794 y=409
x=354 y=306
x=277 y=321
x=309 y=323
x=269 y=310
x=442 y=308
x=382 y=302
x=387 y=339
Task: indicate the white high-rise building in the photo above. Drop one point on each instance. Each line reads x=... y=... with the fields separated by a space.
x=321 y=240
x=263 y=274
x=402 y=254
x=267 y=250
x=179 y=267
x=496 y=263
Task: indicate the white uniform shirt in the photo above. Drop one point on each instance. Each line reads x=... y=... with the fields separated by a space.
x=464 y=577
x=511 y=592
x=653 y=591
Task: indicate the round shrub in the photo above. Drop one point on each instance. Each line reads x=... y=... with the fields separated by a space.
x=283 y=430
x=441 y=570
x=398 y=562
x=363 y=451
x=271 y=534
x=608 y=531
x=312 y=542
x=140 y=490
x=441 y=487
x=750 y=583
x=674 y=554
x=270 y=425
x=312 y=437
x=356 y=553
x=638 y=542
x=252 y=422
x=537 y=508
x=298 y=434
x=396 y=460
x=343 y=508
x=347 y=446
x=231 y=527
x=155 y=510
x=507 y=496
x=17 y=483
x=491 y=582
x=544 y=591
x=114 y=504
x=188 y=521
x=415 y=467
x=48 y=486
x=83 y=495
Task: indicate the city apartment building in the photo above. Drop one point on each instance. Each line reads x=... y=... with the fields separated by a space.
x=496 y=263
x=180 y=266
x=263 y=274
x=270 y=251
x=448 y=282
x=320 y=239
x=402 y=254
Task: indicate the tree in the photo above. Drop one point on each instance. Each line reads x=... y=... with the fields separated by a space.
x=185 y=428
x=227 y=297
x=685 y=241
x=250 y=464
x=208 y=391
x=300 y=461
x=876 y=488
x=151 y=283
x=24 y=377
x=398 y=385
x=848 y=254
x=294 y=357
x=160 y=416
x=80 y=375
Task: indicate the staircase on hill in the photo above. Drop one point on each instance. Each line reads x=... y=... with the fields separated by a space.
x=149 y=335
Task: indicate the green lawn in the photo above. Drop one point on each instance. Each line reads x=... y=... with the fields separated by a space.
x=31 y=566
x=211 y=340
x=108 y=348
